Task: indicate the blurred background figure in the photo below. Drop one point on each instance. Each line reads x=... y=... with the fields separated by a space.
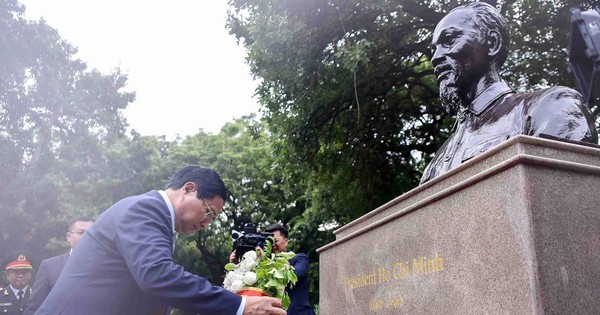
x=51 y=268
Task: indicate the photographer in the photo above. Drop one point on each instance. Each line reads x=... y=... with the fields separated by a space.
x=300 y=302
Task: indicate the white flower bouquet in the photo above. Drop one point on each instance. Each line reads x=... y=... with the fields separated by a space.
x=268 y=272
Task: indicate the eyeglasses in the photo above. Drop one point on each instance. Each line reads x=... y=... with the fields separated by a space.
x=210 y=214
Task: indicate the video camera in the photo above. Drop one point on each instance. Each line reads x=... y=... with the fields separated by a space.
x=248 y=240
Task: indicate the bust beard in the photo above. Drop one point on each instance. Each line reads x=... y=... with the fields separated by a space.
x=451 y=101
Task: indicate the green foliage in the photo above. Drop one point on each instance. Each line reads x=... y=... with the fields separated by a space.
x=540 y=34
x=348 y=91
x=344 y=87
x=275 y=273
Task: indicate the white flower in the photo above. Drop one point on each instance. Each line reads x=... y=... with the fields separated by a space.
x=247 y=265
x=227 y=282
x=231 y=277
x=250 y=255
x=249 y=278
x=237 y=285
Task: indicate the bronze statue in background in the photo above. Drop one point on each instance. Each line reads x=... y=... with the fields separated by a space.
x=470 y=45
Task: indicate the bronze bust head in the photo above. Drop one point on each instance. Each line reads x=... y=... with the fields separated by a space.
x=470 y=45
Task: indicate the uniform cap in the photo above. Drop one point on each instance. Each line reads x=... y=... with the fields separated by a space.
x=17 y=261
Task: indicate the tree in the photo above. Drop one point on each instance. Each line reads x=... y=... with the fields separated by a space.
x=348 y=92
x=56 y=115
x=344 y=86
x=347 y=87
x=241 y=155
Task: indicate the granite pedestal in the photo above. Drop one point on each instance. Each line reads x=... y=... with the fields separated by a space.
x=516 y=230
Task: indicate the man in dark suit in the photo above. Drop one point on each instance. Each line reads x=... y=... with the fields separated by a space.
x=299 y=300
x=51 y=268
x=123 y=264
x=17 y=270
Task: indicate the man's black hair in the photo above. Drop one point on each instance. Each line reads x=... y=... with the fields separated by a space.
x=208 y=182
x=277 y=227
x=79 y=219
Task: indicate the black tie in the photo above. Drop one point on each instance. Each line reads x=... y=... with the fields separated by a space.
x=20 y=296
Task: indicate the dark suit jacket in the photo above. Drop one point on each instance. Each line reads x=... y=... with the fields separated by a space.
x=123 y=265
x=44 y=281
x=299 y=301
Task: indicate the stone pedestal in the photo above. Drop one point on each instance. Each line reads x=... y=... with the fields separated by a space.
x=515 y=230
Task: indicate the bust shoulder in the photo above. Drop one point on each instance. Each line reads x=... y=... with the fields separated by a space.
x=549 y=97
x=558 y=111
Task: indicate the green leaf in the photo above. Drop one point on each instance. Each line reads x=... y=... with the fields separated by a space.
x=230 y=266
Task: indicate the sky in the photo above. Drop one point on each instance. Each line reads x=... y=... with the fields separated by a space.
x=187 y=71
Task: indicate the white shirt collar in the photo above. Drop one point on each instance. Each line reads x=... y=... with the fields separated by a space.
x=15 y=291
x=171 y=210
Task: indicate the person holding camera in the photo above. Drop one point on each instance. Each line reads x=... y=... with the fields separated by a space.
x=299 y=299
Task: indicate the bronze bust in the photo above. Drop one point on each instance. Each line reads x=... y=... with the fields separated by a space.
x=470 y=44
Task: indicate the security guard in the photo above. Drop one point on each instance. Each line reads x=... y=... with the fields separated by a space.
x=17 y=270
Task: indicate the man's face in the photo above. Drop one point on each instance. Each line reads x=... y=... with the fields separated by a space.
x=76 y=231
x=459 y=58
x=18 y=278
x=280 y=242
x=191 y=211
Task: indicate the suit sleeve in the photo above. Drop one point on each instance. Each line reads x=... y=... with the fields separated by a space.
x=301 y=265
x=41 y=289
x=144 y=239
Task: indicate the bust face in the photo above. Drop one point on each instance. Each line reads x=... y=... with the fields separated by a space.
x=459 y=58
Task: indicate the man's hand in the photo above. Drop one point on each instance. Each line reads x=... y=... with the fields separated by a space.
x=256 y=305
x=232 y=256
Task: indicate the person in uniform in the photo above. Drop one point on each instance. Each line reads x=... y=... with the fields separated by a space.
x=17 y=270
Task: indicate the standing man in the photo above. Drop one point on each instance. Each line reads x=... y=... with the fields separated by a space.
x=299 y=300
x=51 y=268
x=123 y=264
x=470 y=45
x=17 y=270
